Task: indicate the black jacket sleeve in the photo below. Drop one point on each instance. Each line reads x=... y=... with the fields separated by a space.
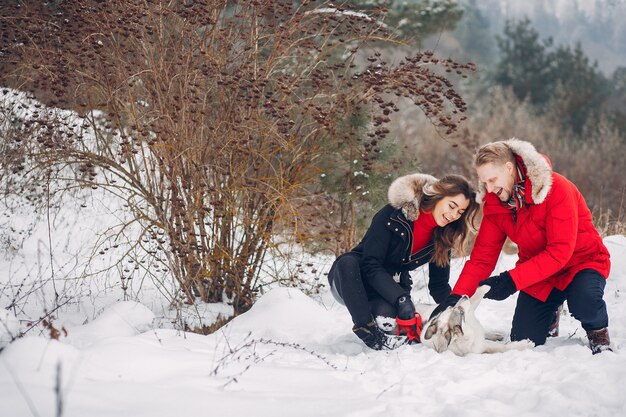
x=438 y=282
x=406 y=282
x=375 y=247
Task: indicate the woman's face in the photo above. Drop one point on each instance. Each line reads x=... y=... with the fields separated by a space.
x=450 y=209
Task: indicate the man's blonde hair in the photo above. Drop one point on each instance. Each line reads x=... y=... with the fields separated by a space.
x=494 y=152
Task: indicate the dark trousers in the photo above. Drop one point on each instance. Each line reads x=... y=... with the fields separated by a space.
x=584 y=294
x=348 y=288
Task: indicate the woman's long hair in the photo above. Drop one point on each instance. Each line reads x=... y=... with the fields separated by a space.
x=454 y=235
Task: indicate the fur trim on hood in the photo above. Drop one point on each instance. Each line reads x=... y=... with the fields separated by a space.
x=406 y=192
x=538 y=170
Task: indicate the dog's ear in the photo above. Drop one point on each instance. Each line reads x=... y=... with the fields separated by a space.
x=455 y=323
x=430 y=331
x=457 y=316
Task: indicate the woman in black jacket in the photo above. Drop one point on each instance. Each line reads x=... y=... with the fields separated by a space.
x=425 y=219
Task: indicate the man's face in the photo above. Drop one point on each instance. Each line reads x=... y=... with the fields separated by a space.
x=498 y=178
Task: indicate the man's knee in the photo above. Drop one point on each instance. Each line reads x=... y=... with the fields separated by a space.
x=533 y=317
x=586 y=308
x=585 y=299
x=531 y=331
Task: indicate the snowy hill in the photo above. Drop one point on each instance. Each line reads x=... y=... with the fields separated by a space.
x=292 y=355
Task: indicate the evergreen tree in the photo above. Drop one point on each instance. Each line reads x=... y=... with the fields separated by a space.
x=524 y=62
x=616 y=103
x=355 y=181
x=579 y=88
x=560 y=80
x=474 y=36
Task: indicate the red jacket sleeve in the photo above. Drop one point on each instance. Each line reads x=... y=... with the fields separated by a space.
x=483 y=258
x=561 y=234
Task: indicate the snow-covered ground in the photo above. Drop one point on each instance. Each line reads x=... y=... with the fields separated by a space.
x=120 y=351
x=293 y=355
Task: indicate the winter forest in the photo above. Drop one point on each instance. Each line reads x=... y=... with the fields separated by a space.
x=178 y=177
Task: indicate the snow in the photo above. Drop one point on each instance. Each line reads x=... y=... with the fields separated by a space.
x=292 y=354
x=119 y=351
x=122 y=319
x=351 y=13
x=9 y=325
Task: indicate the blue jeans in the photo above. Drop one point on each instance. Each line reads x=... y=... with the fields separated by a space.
x=584 y=294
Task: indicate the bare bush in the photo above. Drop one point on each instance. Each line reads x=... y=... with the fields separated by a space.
x=213 y=121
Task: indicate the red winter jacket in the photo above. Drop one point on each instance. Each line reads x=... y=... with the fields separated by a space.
x=554 y=233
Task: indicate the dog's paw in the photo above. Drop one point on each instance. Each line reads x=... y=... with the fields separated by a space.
x=482 y=290
x=520 y=345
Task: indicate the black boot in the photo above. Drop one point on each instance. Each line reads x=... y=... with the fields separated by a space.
x=376 y=339
x=599 y=340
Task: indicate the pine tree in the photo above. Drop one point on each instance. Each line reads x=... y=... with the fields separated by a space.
x=561 y=80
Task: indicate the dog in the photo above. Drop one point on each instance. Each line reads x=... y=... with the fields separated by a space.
x=457 y=329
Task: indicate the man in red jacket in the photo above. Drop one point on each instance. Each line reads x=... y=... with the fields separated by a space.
x=561 y=255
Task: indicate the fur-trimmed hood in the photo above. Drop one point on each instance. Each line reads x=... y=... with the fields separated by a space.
x=406 y=192
x=538 y=171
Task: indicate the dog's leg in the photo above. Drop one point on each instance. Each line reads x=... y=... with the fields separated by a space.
x=520 y=345
x=478 y=296
x=494 y=336
x=494 y=347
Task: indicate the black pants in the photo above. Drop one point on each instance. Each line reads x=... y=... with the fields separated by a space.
x=347 y=286
x=584 y=294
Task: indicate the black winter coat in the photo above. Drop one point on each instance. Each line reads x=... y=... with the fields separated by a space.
x=385 y=252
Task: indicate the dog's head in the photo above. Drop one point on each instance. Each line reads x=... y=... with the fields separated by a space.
x=441 y=329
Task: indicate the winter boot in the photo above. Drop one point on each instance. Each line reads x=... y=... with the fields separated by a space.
x=553 y=331
x=387 y=324
x=599 y=340
x=376 y=339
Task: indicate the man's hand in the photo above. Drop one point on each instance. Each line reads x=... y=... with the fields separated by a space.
x=450 y=301
x=502 y=286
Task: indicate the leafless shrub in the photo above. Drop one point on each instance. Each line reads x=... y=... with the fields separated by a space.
x=611 y=220
x=212 y=120
x=248 y=352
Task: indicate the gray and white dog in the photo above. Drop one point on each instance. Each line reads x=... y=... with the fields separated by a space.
x=457 y=329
